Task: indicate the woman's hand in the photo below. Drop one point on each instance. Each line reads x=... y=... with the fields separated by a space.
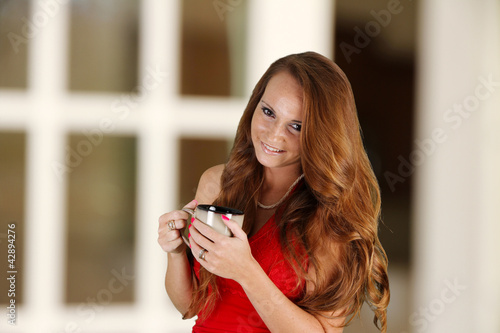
x=227 y=257
x=169 y=229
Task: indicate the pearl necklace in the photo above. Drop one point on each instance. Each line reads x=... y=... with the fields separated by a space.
x=283 y=197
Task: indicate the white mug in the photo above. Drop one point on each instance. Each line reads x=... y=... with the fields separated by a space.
x=211 y=216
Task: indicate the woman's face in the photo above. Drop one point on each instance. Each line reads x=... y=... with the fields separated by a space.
x=277 y=121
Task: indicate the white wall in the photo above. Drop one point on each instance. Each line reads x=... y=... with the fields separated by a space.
x=457 y=184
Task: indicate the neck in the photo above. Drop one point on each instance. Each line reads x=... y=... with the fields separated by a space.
x=276 y=189
x=279 y=179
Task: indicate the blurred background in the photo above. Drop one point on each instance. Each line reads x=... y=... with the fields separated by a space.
x=111 y=110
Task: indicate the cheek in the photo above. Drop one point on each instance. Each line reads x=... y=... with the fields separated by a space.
x=296 y=146
x=253 y=129
x=256 y=126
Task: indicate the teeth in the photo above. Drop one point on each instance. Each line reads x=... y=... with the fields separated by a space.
x=272 y=149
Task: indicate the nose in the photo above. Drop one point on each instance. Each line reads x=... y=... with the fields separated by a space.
x=276 y=133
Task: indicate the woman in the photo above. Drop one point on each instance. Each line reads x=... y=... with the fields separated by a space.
x=308 y=254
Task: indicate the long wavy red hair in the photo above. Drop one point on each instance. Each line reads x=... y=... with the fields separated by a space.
x=337 y=204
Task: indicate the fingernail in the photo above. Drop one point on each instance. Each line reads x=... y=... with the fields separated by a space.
x=190 y=225
x=192 y=219
x=196 y=201
x=225 y=218
x=189 y=235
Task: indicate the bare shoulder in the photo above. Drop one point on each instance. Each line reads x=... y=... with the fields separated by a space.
x=209 y=184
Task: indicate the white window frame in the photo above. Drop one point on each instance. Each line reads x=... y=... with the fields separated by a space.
x=47 y=112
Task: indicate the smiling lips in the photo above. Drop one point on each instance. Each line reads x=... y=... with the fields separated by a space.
x=270 y=149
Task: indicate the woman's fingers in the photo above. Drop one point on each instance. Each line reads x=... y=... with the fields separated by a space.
x=203 y=235
x=178 y=216
x=195 y=248
x=222 y=255
x=170 y=242
x=192 y=204
x=235 y=228
x=170 y=226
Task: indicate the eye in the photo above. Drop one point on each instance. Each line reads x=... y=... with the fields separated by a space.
x=296 y=127
x=267 y=111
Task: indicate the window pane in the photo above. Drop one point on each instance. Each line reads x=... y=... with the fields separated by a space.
x=14 y=15
x=197 y=155
x=213 y=48
x=103 y=45
x=12 y=178
x=100 y=219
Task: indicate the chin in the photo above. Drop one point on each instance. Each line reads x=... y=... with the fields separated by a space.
x=276 y=164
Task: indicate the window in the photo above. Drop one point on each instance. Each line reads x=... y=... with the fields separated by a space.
x=100 y=109
x=14 y=43
x=12 y=184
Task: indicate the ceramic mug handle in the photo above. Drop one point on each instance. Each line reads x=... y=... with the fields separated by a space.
x=185 y=231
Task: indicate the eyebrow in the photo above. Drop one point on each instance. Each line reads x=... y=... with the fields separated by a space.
x=271 y=108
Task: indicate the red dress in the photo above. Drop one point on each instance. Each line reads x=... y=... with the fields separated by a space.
x=233 y=311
